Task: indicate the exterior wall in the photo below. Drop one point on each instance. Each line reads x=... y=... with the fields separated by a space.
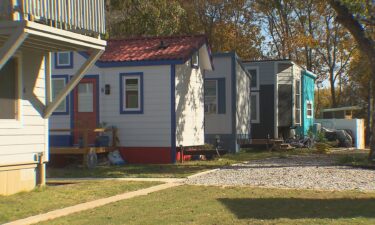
x=219 y=124
x=267 y=80
x=285 y=95
x=266 y=124
x=308 y=86
x=20 y=144
x=243 y=103
x=189 y=96
x=152 y=128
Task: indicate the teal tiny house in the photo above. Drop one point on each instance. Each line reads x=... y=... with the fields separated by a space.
x=307 y=100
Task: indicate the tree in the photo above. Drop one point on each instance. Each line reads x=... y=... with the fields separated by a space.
x=335 y=50
x=229 y=25
x=132 y=18
x=359 y=18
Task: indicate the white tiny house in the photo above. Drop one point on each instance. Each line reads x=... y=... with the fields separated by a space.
x=150 y=89
x=227 y=102
x=28 y=34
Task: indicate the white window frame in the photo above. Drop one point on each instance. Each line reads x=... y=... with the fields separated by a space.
x=64 y=102
x=124 y=93
x=257 y=107
x=299 y=99
x=196 y=56
x=256 y=68
x=58 y=59
x=18 y=121
x=217 y=97
x=307 y=109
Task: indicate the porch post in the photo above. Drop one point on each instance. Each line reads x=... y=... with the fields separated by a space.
x=72 y=83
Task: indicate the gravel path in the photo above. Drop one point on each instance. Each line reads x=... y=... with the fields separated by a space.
x=300 y=172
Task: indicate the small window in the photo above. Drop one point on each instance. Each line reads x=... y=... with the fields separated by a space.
x=309 y=109
x=64 y=60
x=131 y=93
x=58 y=83
x=254 y=72
x=255 y=117
x=297 y=102
x=210 y=97
x=195 y=60
x=9 y=91
x=85 y=97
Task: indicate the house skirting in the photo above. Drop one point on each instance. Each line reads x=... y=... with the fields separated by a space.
x=227 y=141
x=17 y=178
x=146 y=155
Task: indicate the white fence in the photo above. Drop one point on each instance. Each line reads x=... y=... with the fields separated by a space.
x=357 y=126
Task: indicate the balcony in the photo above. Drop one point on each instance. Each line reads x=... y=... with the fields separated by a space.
x=80 y=16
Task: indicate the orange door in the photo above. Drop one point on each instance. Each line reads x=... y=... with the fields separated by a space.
x=86 y=109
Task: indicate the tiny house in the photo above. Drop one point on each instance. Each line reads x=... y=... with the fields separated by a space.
x=30 y=31
x=150 y=89
x=227 y=102
x=282 y=98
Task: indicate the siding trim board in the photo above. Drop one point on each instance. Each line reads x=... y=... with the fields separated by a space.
x=141 y=107
x=234 y=98
x=173 y=113
x=66 y=77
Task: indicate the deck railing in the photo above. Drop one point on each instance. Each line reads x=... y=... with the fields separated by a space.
x=83 y=16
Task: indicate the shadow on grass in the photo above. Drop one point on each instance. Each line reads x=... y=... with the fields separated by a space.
x=299 y=208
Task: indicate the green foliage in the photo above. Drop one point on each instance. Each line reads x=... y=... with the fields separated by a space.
x=130 y=18
x=320 y=137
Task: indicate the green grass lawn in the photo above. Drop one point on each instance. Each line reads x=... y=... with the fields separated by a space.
x=45 y=199
x=233 y=205
x=177 y=170
x=355 y=158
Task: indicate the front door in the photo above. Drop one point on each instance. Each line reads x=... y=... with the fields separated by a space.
x=85 y=110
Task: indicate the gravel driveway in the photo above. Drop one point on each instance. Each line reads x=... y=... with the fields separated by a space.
x=301 y=172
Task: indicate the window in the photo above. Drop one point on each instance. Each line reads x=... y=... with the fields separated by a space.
x=195 y=60
x=297 y=102
x=210 y=97
x=85 y=97
x=131 y=95
x=309 y=109
x=9 y=91
x=58 y=83
x=254 y=72
x=255 y=117
x=64 y=60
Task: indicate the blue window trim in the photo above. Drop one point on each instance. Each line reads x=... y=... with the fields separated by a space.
x=70 y=66
x=122 y=76
x=66 y=77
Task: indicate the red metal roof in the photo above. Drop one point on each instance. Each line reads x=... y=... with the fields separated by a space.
x=152 y=48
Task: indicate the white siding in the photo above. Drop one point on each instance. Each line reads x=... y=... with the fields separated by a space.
x=266 y=71
x=20 y=144
x=243 y=101
x=285 y=73
x=189 y=106
x=153 y=127
x=221 y=123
